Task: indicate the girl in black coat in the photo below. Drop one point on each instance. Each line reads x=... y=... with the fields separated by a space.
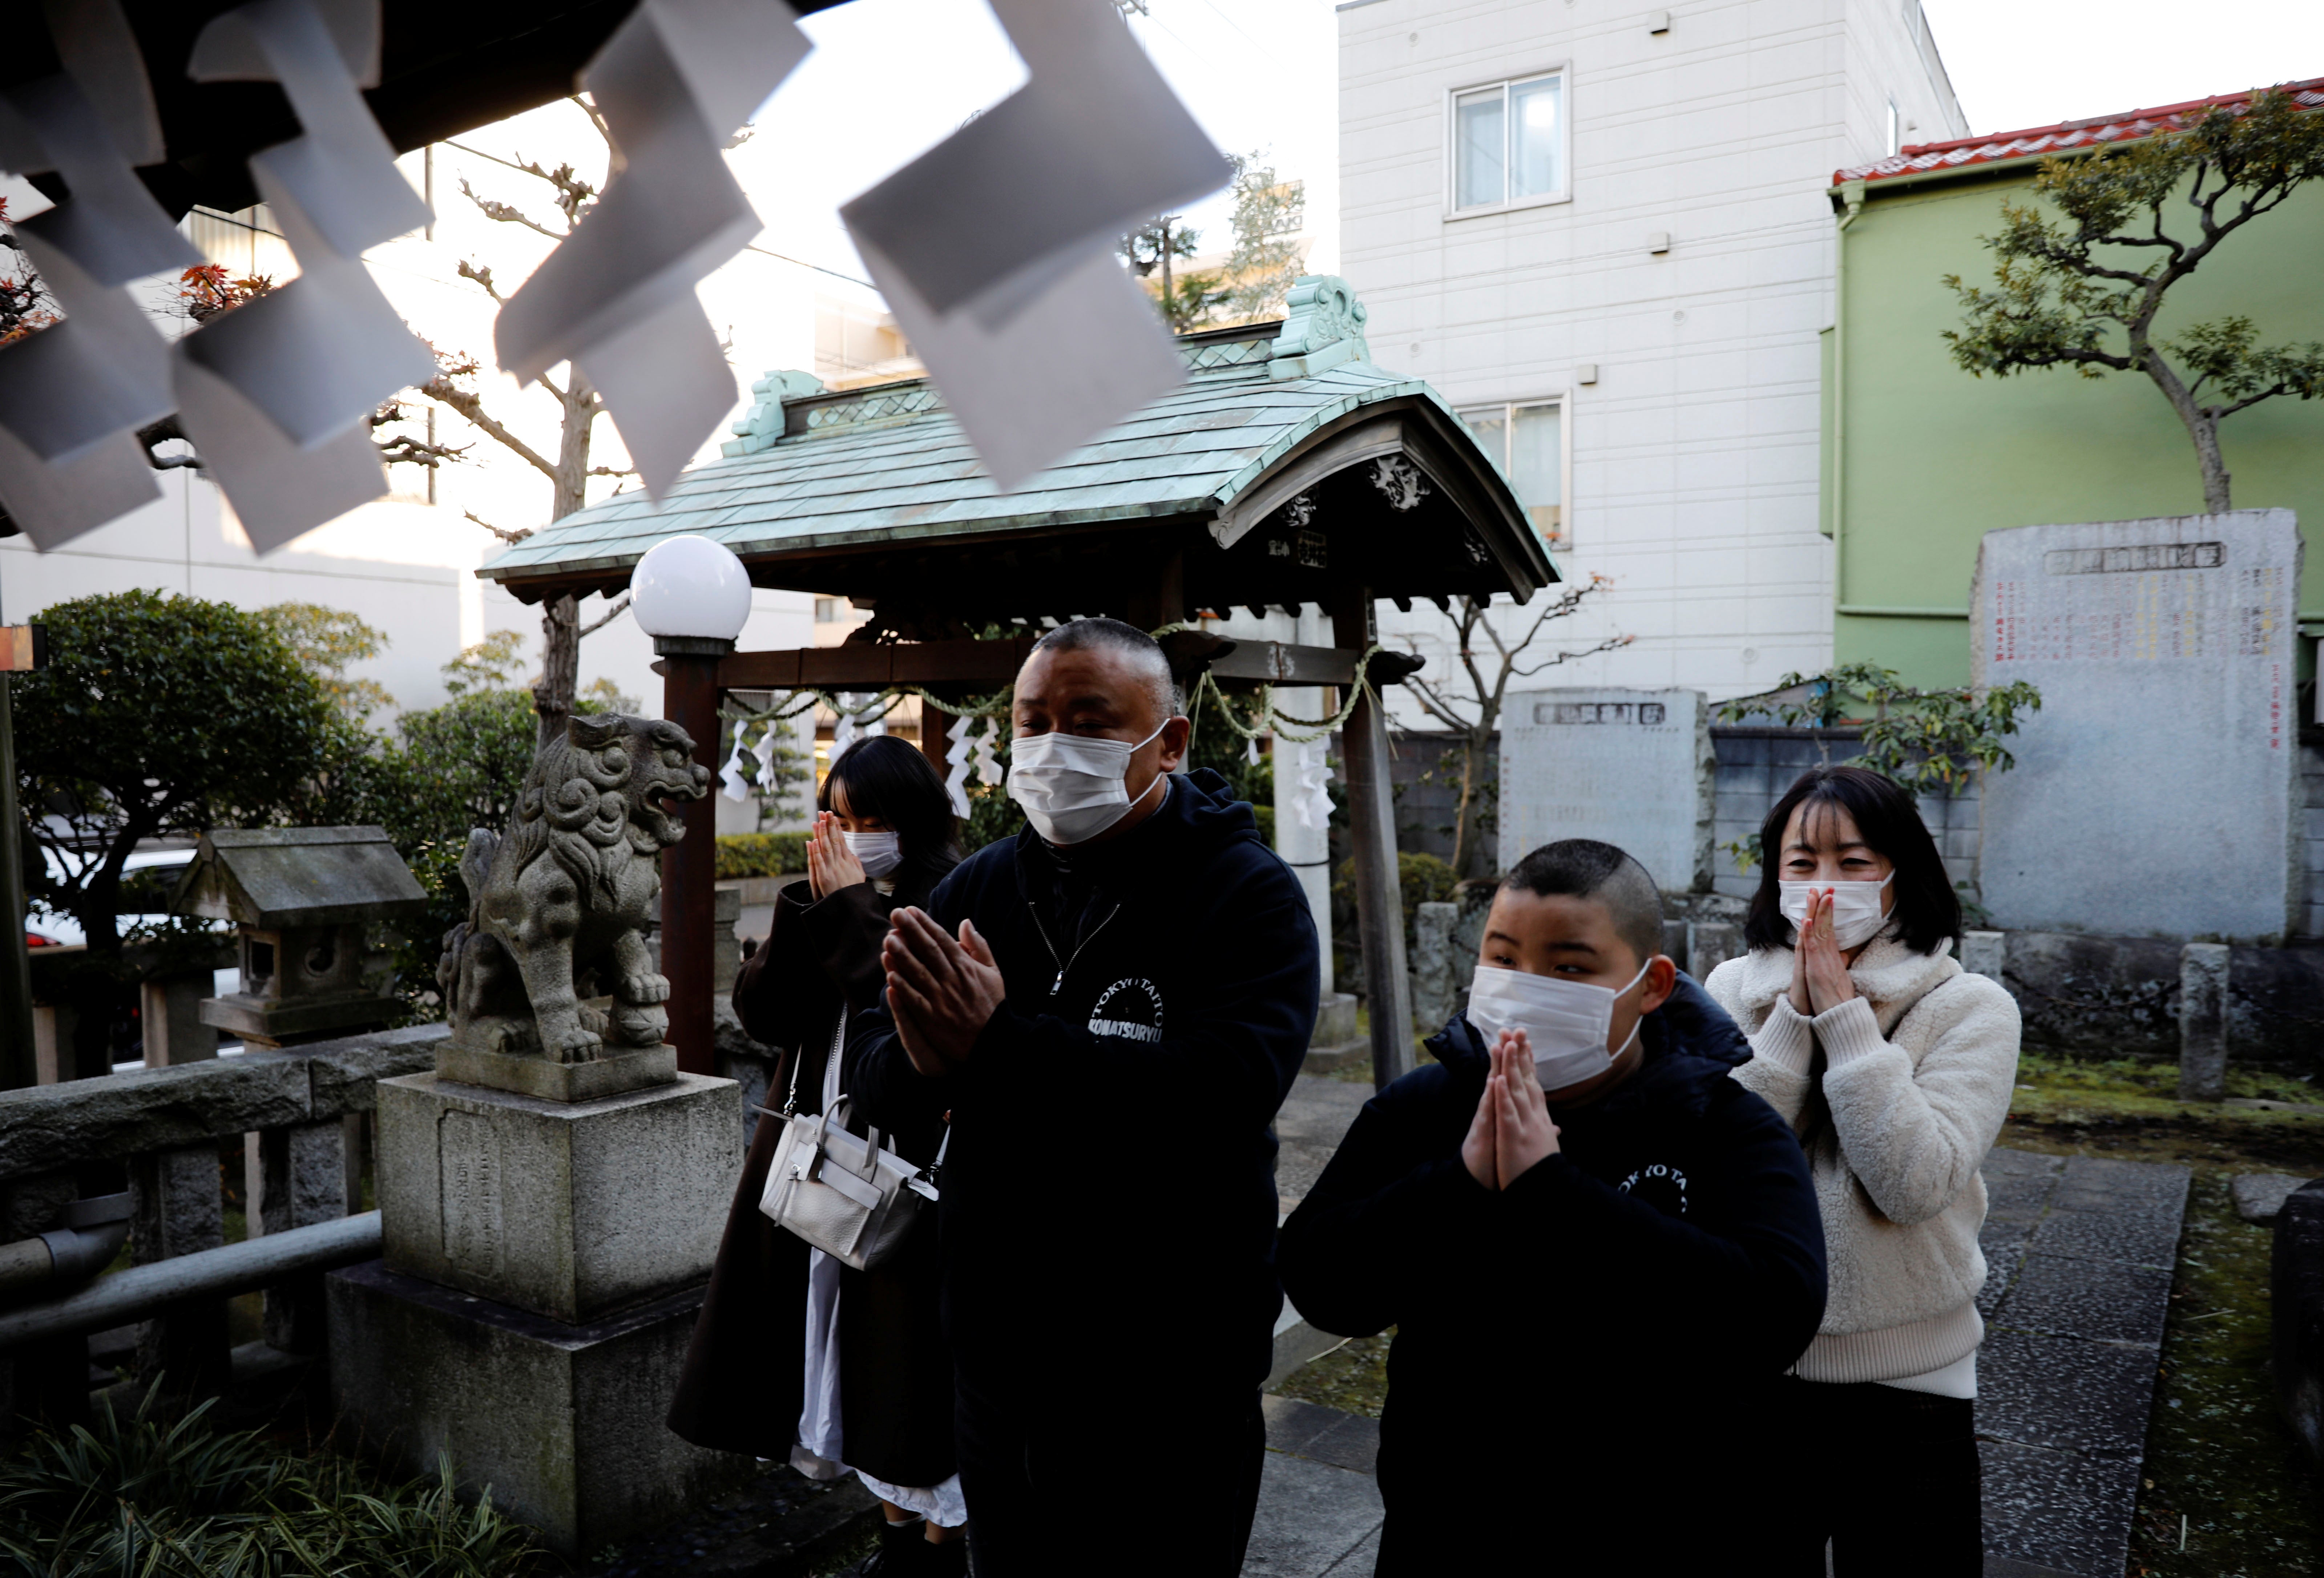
x=875 y=1393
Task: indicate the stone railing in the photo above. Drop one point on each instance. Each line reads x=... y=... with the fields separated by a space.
x=300 y=1113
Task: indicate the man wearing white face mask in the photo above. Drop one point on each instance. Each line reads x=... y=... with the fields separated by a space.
x=1599 y=1253
x=1111 y=1006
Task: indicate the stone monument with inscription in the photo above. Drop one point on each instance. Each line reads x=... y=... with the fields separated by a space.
x=2156 y=792
x=1632 y=768
x=551 y=1196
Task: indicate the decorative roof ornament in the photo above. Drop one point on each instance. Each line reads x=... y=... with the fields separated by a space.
x=1322 y=328
x=758 y=428
x=1400 y=481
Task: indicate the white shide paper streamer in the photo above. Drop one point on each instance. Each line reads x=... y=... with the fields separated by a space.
x=616 y=298
x=277 y=395
x=995 y=249
x=74 y=393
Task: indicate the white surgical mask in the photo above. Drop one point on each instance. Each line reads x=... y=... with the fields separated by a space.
x=1567 y=1021
x=1073 y=787
x=877 y=853
x=1855 y=916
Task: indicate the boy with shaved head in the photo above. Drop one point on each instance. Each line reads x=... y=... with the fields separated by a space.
x=1597 y=1250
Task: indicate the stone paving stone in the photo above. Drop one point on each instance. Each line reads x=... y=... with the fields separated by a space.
x=1999 y=1235
x=2018 y=1197
x=2145 y=1180
x=2001 y=1267
x=2001 y=1160
x=2259 y=1196
x=1311 y=1517
x=2102 y=1300
x=2064 y=1393
x=1348 y=1441
x=2058 y=1510
x=1359 y=1562
x=2145 y=1236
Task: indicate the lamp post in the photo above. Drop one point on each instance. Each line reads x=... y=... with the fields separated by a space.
x=692 y=595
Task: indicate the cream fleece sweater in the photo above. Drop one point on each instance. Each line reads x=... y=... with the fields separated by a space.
x=1909 y=1094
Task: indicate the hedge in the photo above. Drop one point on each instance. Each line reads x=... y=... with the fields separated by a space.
x=761 y=855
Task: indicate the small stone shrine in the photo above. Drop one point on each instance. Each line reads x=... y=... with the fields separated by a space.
x=2173 y=814
x=551 y=1196
x=1630 y=767
x=302 y=898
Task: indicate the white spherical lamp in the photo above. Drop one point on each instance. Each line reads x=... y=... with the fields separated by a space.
x=689 y=589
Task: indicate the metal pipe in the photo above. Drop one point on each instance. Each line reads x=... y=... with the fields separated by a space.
x=143 y=1291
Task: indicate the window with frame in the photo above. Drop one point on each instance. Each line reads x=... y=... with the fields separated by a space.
x=1508 y=143
x=1528 y=439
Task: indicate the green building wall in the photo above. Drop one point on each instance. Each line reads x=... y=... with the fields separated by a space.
x=1921 y=459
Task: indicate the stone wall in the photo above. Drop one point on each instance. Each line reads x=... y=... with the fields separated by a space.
x=1756 y=765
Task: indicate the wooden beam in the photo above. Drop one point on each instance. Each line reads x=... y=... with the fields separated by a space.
x=1371 y=833
x=987 y=665
x=1282 y=663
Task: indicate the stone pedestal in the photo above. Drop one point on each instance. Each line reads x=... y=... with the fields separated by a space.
x=544 y=1263
x=569 y=1210
x=562 y=1423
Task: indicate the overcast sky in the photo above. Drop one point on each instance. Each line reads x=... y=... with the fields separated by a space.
x=2020 y=63
x=890 y=77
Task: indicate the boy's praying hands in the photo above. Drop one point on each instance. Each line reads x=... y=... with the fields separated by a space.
x=1512 y=1130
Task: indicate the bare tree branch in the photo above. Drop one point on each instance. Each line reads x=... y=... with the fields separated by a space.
x=509 y=537
x=606 y=618
x=507 y=213
x=443 y=391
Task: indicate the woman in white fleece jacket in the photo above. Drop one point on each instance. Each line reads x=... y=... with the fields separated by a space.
x=1895 y=1067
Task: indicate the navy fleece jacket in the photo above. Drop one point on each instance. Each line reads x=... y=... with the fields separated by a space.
x=1611 y=1317
x=1110 y=1180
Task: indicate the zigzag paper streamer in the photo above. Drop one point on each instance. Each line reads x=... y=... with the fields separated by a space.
x=986 y=243
x=1314 y=802
x=73 y=394
x=988 y=762
x=277 y=395
x=764 y=751
x=956 y=756
x=616 y=298
x=730 y=782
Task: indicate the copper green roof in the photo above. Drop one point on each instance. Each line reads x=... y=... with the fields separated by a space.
x=818 y=481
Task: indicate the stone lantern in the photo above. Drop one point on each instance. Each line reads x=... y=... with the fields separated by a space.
x=302 y=898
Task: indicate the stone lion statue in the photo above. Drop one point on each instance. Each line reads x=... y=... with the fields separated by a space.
x=558 y=905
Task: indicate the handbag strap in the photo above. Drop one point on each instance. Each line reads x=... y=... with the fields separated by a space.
x=838 y=1045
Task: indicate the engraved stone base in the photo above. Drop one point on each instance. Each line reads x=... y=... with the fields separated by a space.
x=563 y=1422
x=564 y=1209
x=558 y=1082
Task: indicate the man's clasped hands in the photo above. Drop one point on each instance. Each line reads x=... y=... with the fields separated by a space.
x=1512 y=1130
x=942 y=989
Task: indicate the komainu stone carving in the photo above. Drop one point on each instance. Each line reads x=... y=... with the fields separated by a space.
x=559 y=903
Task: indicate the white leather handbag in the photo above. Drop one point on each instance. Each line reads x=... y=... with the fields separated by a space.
x=851 y=1196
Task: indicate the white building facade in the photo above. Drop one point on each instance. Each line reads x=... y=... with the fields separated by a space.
x=1602 y=232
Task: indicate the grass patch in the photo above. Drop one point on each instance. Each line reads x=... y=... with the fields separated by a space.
x=1351 y=1377
x=2218 y=1455
x=137 y=1494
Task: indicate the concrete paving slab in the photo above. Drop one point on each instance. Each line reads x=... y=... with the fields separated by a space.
x=2004 y=1235
x=2017 y=1197
x=2099 y=1299
x=2064 y=1393
x=2003 y=1161
x=2146 y=1235
x=2058 y=1510
x=1358 y=1563
x=1311 y=1517
x=2001 y=1269
x=2157 y=1181
x=1309 y=1127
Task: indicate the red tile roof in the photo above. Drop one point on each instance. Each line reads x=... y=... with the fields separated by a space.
x=2063 y=138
